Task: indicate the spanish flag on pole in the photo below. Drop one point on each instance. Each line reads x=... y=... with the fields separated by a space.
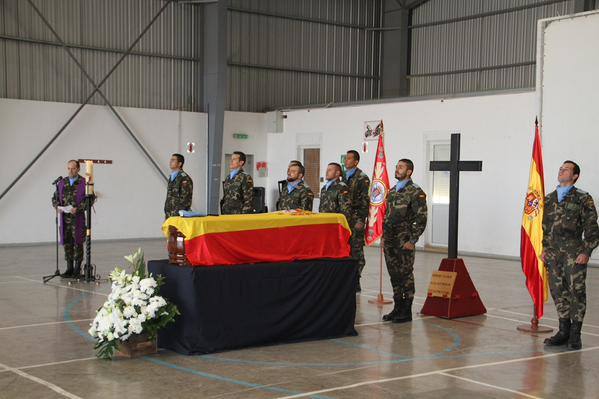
x=531 y=241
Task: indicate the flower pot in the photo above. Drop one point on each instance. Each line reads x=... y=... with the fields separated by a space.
x=137 y=345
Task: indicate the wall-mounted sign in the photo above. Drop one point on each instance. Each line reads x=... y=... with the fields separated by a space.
x=190 y=147
x=262 y=168
x=240 y=136
x=372 y=130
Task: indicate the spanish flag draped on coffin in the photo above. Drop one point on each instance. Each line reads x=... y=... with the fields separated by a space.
x=266 y=237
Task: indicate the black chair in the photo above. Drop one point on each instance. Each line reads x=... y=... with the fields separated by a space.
x=260 y=200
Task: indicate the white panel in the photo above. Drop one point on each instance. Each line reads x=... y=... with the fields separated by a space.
x=570 y=98
x=132 y=193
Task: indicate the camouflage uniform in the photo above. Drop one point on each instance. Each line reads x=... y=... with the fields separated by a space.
x=300 y=197
x=563 y=226
x=73 y=245
x=335 y=199
x=405 y=221
x=238 y=194
x=359 y=198
x=178 y=195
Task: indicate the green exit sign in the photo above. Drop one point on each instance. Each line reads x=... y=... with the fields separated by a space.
x=240 y=136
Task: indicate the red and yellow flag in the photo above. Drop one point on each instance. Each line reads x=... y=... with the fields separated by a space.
x=379 y=188
x=262 y=237
x=531 y=240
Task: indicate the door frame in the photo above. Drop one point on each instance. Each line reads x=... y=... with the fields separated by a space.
x=300 y=157
x=430 y=153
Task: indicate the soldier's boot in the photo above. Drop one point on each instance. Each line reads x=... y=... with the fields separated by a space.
x=77 y=270
x=405 y=311
x=391 y=315
x=69 y=272
x=574 y=342
x=562 y=336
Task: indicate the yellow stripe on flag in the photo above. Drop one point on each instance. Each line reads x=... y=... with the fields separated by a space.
x=195 y=227
x=532 y=221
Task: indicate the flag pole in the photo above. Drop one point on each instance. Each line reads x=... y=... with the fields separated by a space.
x=378 y=206
x=534 y=327
x=380 y=298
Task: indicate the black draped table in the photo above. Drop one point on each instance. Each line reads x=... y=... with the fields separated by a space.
x=228 y=307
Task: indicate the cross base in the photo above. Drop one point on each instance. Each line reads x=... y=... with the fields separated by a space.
x=464 y=299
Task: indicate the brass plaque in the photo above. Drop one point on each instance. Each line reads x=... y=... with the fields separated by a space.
x=441 y=284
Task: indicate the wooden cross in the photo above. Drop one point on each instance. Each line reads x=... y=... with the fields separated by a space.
x=454 y=166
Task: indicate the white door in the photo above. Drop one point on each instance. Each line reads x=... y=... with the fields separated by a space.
x=439 y=151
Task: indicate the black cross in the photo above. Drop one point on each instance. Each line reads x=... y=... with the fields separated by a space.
x=454 y=166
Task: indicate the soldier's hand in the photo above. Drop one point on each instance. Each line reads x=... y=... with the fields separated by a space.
x=408 y=246
x=359 y=226
x=582 y=259
x=74 y=210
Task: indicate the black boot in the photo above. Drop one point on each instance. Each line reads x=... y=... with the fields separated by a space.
x=574 y=342
x=405 y=311
x=389 y=316
x=561 y=337
x=77 y=270
x=69 y=272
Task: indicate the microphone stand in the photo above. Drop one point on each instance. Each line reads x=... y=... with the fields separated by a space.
x=88 y=269
x=45 y=279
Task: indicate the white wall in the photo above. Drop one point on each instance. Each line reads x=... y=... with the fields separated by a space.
x=131 y=192
x=569 y=90
x=254 y=125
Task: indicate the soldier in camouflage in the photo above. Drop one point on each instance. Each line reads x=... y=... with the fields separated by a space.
x=295 y=194
x=334 y=195
x=570 y=234
x=405 y=222
x=71 y=191
x=180 y=188
x=359 y=186
x=238 y=188
x=283 y=183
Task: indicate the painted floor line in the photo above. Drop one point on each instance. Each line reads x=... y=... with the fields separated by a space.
x=33 y=366
x=495 y=309
x=543 y=325
x=545 y=318
x=383 y=380
x=64 y=286
x=50 y=323
x=491 y=386
x=40 y=381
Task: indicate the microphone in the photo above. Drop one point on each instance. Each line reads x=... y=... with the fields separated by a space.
x=59 y=178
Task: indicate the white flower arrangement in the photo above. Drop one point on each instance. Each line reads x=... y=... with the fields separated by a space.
x=133 y=308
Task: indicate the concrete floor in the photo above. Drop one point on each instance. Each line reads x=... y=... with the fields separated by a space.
x=45 y=351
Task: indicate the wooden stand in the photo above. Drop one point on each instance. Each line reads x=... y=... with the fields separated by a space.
x=136 y=346
x=176 y=247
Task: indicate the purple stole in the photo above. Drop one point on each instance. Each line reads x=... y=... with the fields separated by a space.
x=80 y=217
